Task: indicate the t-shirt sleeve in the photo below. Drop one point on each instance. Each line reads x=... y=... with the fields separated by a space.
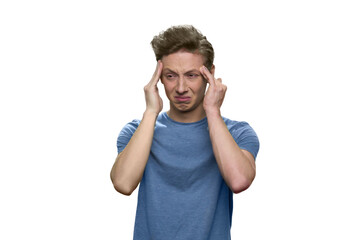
x=246 y=138
x=126 y=133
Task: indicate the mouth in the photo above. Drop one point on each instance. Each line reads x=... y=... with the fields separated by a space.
x=182 y=98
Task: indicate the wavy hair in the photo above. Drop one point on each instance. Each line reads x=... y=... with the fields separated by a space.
x=185 y=37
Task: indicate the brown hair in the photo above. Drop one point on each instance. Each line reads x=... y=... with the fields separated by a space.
x=183 y=37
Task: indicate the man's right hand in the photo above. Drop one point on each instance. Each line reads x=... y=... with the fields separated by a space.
x=130 y=164
x=154 y=102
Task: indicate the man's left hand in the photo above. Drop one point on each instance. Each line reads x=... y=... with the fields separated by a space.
x=215 y=93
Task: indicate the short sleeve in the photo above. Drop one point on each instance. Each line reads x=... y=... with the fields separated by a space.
x=246 y=138
x=126 y=133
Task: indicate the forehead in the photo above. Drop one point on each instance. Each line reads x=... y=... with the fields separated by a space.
x=183 y=60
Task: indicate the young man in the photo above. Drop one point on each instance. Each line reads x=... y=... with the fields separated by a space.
x=189 y=160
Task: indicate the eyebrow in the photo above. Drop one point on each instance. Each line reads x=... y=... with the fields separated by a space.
x=190 y=71
x=168 y=69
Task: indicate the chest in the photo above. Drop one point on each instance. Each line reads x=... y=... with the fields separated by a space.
x=182 y=154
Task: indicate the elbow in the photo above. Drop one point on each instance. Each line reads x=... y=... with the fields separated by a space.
x=239 y=187
x=121 y=186
x=123 y=190
x=241 y=183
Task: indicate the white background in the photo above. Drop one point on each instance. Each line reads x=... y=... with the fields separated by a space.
x=72 y=75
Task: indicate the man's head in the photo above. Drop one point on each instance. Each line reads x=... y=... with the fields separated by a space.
x=183 y=37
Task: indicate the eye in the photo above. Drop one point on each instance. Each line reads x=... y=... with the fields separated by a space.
x=170 y=76
x=192 y=75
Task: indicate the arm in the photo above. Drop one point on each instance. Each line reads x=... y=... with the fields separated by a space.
x=237 y=166
x=129 y=165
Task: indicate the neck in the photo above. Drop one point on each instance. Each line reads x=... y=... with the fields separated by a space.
x=186 y=116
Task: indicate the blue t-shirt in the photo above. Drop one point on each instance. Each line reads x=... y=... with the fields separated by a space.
x=182 y=194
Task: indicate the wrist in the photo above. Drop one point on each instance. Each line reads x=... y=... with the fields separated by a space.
x=212 y=112
x=150 y=114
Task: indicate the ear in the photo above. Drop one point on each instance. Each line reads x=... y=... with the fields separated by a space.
x=213 y=70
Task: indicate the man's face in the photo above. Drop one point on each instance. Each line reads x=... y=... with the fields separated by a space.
x=184 y=85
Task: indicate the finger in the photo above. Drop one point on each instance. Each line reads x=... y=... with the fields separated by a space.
x=157 y=74
x=219 y=79
x=207 y=75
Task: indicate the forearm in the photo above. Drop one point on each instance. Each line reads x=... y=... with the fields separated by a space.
x=129 y=165
x=236 y=165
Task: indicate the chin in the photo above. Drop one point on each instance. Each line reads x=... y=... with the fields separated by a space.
x=181 y=107
x=186 y=109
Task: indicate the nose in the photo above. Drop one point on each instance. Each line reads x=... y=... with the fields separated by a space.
x=181 y=87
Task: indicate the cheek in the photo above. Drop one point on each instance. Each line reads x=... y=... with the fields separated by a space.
x=199 y=88
x=168 y=86
x=202 y=87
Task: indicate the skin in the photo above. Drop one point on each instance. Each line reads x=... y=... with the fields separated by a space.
x=185 y=79
x=237 y=166
x=182 y=78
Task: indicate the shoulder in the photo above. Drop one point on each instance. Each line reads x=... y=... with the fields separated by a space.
x=130 y=127
x=244 y=135
x=126 y=133
x=238 y=126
